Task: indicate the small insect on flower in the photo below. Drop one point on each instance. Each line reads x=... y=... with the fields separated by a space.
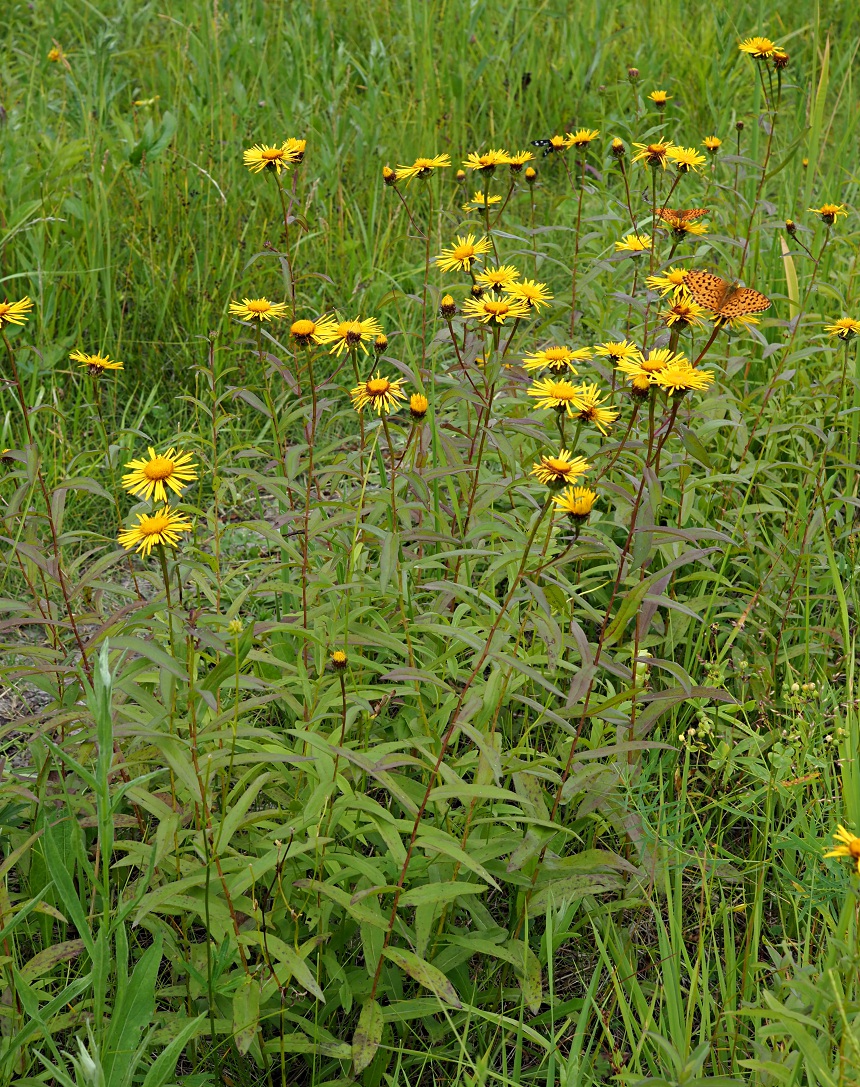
x=459 y=256
x=849 y=846
x=487 y=163
x=550 y=392
x=653 y=154
x=447 y=307
x=350 y=335
x=418 y=406
x=495 y=310
x=149 y=478
x=582 y=138
x=617 y=351
x=306 y=332
x=477 y=202
x=659 y=98
x=517 y=161
x=684 y=314
x=712 y=144
x=587 y=408
x=265 y=157
x=95 y=364
x=757 y=47
x=557 y=360
x=535 y=295
x=422 y=167
x=498 y=279
x=576 y=502
x=846 y=328
x=162 y=528
x=636 y=244
x=15 y=313
x=338 y=660
x=686 y=159
x=671 y=282
x=557 y=472
x=829 y=213
x=680 y=377
x=379 y=394
x=258 y=309
x=551 y=146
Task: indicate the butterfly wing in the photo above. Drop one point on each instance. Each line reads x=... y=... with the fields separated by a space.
x=743 y=301
x=681 y=215
x=707 y=289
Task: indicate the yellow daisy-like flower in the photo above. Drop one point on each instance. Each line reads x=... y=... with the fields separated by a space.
x=681 y=228
x=262 y=156
x=162 y=528
x=549 y=392
x=418 y=405
x=477 y=201
x=659 y=98
x=849 y=846
x=487 y=162
x=829 y=213
x=459 y=257
x=350 y=335
x=531 y=175
x=679 y=378
x=551 y=146
x=671 y=282
x=296 y=148
x=846 y=328
x=338 y=660
x=641 y=367
x=15 y=313
x=447 y=307
x=557 y=360
x=422 y=167
x=149 y=478
x=686 y=159
x=517 y=161
x=634 y=243
x=55 y=54
x=258 y=309
x=576 y=502
x=617 y=351
x=559 y=471
x=498 y=310
x=640 y=386
x=653 y=154
x=760 y=48
x=581 y=138
x=389 y=176
x=306 y=332
x=378 y=393
x=95 y=364
x=780 y=59
x=532 y=293
x=617 y=148
x=587 y=408
x=498 y=279
x=712 y=144
x=736 y=324
x=684 y=313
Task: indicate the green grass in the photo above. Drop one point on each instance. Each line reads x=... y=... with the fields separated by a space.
x=561 y=818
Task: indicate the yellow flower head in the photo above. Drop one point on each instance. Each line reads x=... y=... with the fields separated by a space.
x=517 y=161
x=459 y=256
x=712 y=144
x=581 y=138
x=95 y=364
x=846 y=328
x=617 y=148
x=447 y=307
x=378 y=393
x=682 y=227
x=671 y=282
x=576 y=502
x=15 y=313
x=55 y=54
x=264 y=157
x=634 y=243
x=653 y=154
x=659 y=98
x=258 y=309
x=680 y=377
x=640 y=367
x=350 y=335
x=306 y=332
x=296 y=148
x=587 y=408
x=338 y=660
x=161 y=528
x=848 y=846
x=760 y=48
x=532 y=293
x=780 y=59
x=617 y=351
x=380 y=344
x=150 y=478
x=477 y=201
x=487 y=162
x=531 y=175
x=389 y=176
x=829 y=213
x=494 y=309
x=686 y=159
x=422 y=167
x=735 y=324
x=557 y=360
x=551 y=146
x=418 y=406
x=556 y=472
x=683 y=313
x=551 y=392
x=498 y=279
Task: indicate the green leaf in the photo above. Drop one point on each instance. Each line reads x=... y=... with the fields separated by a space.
x=164 y=1065
x=439 y=892
x=132 y=1015
x=246 y=1014
x=368 y=1035
x=431 y=977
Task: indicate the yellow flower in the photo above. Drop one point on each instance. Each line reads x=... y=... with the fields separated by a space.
x=531 y=175
x=447 y=307
x=518 y=160
x=422 y=167
x=296 y=148
x=686 y=159
x=618 y=351
x=389 y=176
x=15 y=313
x=306 y=332
x=555 y=472
x=617 y=148
x=533 y=294
x=477 y=201
x=55 y=55
x=495 y=309
x=418 y=406
x=258 y=309
x=640 y=386
x=349 y=335
x=459 y=257
x=553 y=144
x=684 y=313
x=147 y=478
x=712 y=144
x=558 y=360
x=780 y=59
x=576 y=502
x=581 y=138
x=95 y=364
x=671 y=282
x=264 y=157
x=162 y=528
x=829 y=212
x=487 y=162
x=682 y=227
x=498 y=279
x=659 y=98
x=587 y=408
x=846 y=328
x=680 y=377
x=734 y=324
x=634 y=243
x=338 y=660
x=378 y=393
x=657 y=360
x=760 y=48
x=849 y=846
x=653 y=154
x=549 y=392
x=380 y=344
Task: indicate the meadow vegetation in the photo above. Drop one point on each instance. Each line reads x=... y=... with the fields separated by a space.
x=427 y=496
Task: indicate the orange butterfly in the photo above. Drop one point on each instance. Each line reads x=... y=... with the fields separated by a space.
x=681 y=215
x=722 y=298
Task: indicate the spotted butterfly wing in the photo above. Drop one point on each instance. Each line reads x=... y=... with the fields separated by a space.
x=724 y=299
x=743 y=301
x=682 y=215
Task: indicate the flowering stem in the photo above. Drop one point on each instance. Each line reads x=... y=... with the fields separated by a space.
x=415 y=226
x=287 y=246
x=505 y=204
x=534 y=236
x=576 y=244
x=627 y=191
x=391 y=472
x=426 y=280
x=764 y=165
